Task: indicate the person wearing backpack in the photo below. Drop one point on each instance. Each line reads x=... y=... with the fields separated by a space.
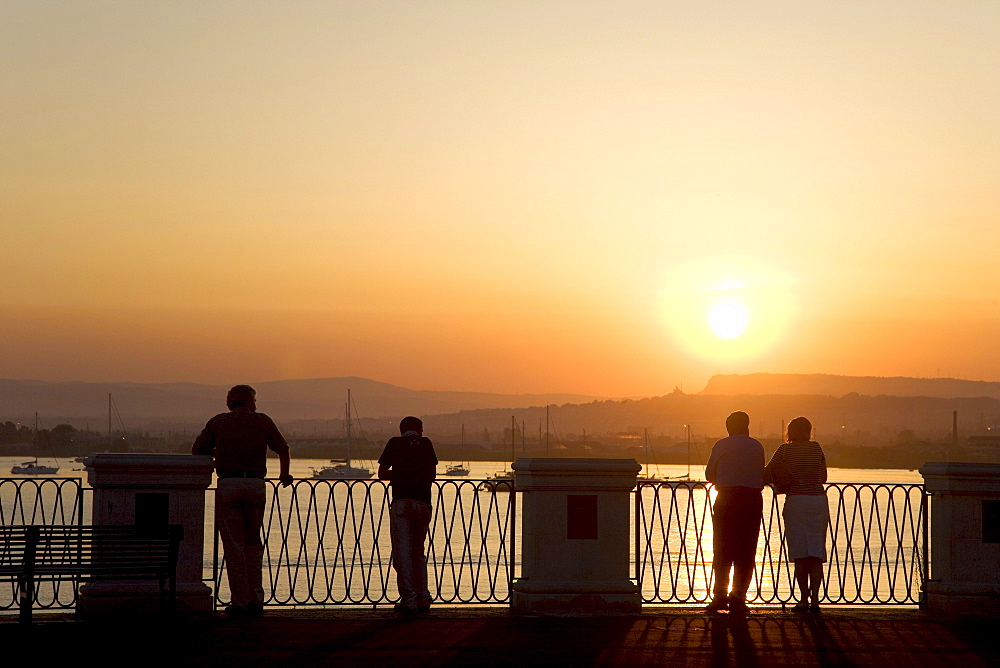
x=409 y=463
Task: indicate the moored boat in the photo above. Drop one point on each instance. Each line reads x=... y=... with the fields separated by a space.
x=33 y=468
x=341 y=469
x=456 y=470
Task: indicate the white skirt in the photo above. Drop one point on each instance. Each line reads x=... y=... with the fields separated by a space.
x=807 y=517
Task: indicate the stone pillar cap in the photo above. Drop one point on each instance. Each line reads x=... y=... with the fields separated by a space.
x=961 y=477
x=145 y=470
x=576 y=465
x=554 y=474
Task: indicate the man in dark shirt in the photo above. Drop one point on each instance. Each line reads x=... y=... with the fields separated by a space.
x=239 y=441
x=736 y=469
x=410 y=465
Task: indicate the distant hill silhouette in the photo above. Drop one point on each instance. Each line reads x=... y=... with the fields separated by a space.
x=316 y=398
x=856 y=418
x=838 y=386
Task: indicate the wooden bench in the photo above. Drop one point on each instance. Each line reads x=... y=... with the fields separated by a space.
x=86 y=553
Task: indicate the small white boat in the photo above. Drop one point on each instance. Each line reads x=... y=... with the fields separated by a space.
x=341 y=471
x=33 y=468
x=461 y=468
x=501 y=481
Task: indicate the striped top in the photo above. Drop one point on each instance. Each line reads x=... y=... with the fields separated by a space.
x=807 y=464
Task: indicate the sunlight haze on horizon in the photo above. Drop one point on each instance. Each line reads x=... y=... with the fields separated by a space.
x=505 y=197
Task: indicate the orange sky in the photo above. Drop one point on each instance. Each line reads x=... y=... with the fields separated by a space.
x=514 y=197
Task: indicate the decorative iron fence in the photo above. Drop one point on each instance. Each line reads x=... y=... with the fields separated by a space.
x=326 y=542
x=876 y=547
x=43 y=501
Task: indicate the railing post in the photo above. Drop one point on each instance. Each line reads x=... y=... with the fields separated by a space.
x=150 y=489
x=575 y=533
x=965 y=538
x=636 y=519
x=925 y=548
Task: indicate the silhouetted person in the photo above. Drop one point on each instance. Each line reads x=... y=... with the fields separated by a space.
x=238 y=441
x=736 y=468
x=409 y=463
x=806 y=512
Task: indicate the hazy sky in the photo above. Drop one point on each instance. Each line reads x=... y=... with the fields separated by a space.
x=501 y=196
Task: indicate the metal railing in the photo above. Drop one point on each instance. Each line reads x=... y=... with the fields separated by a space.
x=326 y=542
x=42 y=501
x=876 y=546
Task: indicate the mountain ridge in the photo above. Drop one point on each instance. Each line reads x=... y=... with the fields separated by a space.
x=309 y=398
x=838 y=386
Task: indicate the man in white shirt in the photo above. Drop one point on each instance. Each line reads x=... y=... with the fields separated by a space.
x=736 y=468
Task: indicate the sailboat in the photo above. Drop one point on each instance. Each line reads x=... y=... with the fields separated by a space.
x=683 y=478
x=33 y=467
x=648 y=451
x=461 y=468
x=341 y=469
x=502 y=481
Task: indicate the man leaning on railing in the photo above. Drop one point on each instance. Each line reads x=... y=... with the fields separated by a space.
x=410 y=465
x=736 y=468
x=239 y=441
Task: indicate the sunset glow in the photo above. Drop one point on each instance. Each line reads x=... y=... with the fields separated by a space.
x=508 y=197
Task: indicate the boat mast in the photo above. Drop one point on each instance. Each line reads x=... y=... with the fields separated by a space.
x=546 y=430
x=348 y=413
x=689 y=449
x=110 y=447
x=513 y=429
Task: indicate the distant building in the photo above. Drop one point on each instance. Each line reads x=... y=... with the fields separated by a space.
x=986 y=446
x=18 y=449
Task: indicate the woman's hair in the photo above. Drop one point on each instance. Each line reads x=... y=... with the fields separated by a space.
x=799 y=429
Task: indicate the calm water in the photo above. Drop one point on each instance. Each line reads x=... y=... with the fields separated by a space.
x=301 y=468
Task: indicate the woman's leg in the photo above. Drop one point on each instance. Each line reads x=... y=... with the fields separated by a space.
x=802 y=579
x=815 y=579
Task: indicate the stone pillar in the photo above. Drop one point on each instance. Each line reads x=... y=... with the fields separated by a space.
x=575 y=529
x=153 y=489
x=965 y=538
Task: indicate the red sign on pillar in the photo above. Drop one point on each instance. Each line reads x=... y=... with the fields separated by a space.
x=581 y=516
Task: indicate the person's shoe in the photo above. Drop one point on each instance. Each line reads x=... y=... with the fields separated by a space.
x=236 y=611
x=405 y=608
x=814 y=609
x=738 y=607
x=800 y=607
x=717 y=605
x=253 y=611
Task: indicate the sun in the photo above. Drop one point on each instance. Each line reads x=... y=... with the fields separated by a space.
x=728 y=309
x=728 y=319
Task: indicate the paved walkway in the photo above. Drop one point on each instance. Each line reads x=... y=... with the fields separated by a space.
x=493 y=637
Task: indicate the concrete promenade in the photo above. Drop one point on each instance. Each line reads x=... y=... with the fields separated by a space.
x=493 y=637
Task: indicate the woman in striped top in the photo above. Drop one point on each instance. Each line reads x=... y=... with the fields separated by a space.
x=806 y=513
